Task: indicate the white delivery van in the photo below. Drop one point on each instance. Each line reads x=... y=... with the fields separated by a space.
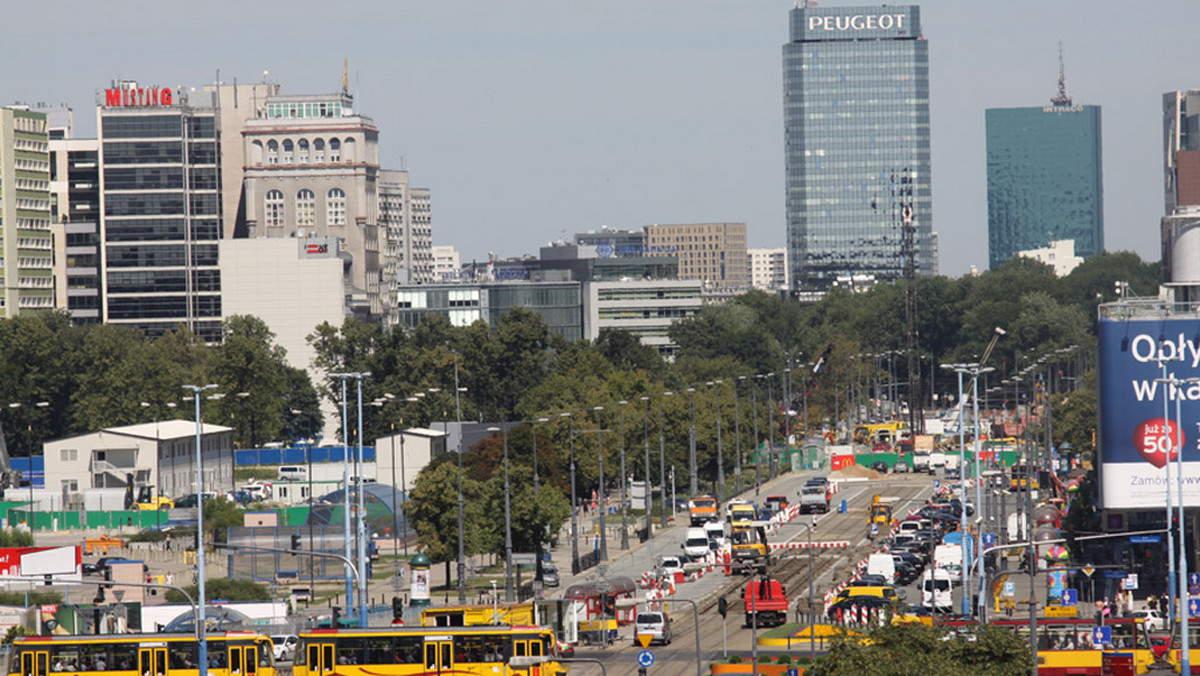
x=715 y=531
x=695 y=544
x=293 y=473
x=936 y=591
x=950 y=559
x=937 y=460
x=882 y=564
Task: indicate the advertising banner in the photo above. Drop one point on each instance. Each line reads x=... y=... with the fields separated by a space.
x=1137 y=436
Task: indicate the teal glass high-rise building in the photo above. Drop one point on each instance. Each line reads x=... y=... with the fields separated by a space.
x=1044 y=178
x=856 y=127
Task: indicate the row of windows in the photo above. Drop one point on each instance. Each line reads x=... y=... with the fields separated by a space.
x=26 y=164
x=163 y=281
x=32 y=123
x=24 y=223
x=143 y=152
x=275 y=212
x=305 y=109
x=301 y=151
x=173 y=307
x=160 y=230
x=32 y=204
x=160 y=256
x=29 y=145
x=161 y=204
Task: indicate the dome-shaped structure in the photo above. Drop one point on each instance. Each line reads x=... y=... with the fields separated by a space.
x=217 y=618
x=383 y=504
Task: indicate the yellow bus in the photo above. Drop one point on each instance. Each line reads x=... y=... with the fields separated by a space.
x=400 y=651
x=229 y=654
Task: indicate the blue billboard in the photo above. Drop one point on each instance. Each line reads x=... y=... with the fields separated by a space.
x=1137 y=436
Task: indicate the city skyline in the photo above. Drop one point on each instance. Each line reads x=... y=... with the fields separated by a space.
x=629 y=114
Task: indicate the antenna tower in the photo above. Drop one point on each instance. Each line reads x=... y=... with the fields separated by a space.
x=1061 y=99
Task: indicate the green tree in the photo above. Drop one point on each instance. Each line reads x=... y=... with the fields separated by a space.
x=252 y=371
x=914 y=648
x=432 y=510
x=219 y=516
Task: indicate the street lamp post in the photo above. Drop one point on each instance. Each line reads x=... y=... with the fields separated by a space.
x=662 y=461
x=574 y=501
x=508 y=553
x=624 y=517
x=770 y=426
x=962 y=476
x=720 y=452
x=1178 y=384
x=600 y=467
x=201 y=623
x=692 y=478
x=648 y=501
x=737 y=432
x=462 y=561
x=362 y=513
x=757 y=439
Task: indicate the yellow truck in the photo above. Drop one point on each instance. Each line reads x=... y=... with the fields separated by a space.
x=879 y=515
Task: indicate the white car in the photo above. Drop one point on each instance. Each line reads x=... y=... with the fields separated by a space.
x=1154 y=619
x=284 y=647
x=669 y=565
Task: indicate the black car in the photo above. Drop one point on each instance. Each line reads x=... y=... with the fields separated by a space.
x=880 y=466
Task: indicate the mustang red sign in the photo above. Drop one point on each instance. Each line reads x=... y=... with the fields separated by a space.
x=144 y=96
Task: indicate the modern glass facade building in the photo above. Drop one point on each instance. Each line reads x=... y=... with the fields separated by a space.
x=856 y=127
x=1044 y=179
x=160 y=193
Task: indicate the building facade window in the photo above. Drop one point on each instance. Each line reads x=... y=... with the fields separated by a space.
x=306 y=208
x=302 y=151
x=319 y=151
x=273 y=209
x=272 y=152
x=288 y=149
x=335 y=150
x=335 y=207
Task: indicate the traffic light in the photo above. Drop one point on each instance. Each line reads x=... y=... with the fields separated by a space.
x=337 y=617
x=722 y=606
x=296 y=541
x=397 y=608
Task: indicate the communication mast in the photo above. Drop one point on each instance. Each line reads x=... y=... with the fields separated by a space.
x=1061 y=99
x=908 y=251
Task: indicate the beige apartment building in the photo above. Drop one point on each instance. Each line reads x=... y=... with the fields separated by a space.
x=713 y=253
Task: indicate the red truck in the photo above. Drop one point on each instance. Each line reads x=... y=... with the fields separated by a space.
x=766 y=601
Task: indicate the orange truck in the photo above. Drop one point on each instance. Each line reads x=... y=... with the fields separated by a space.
x=702 y=509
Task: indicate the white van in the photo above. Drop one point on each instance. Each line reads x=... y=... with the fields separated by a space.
x=936 y=591
x=882 y=564
x=715 y=530
x=695 y=545
x=949 y=557
x=293 y=473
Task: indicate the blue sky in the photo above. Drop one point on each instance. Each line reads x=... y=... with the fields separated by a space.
x=533 y=119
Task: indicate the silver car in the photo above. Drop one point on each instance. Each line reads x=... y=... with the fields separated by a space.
x=656 y=625
x=550 y=575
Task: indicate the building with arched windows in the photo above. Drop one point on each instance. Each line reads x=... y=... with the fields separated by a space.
x=312 y=170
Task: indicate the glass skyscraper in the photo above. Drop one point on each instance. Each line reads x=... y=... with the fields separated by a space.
x=856 y=126
x=1044 y=179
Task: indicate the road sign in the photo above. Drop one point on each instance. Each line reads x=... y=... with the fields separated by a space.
x=1194 y=578
x=937 y=483
x=645 y=659
x=524 y=559
x=1087 y=570
x=1101 y=636
x=1145 y=539
x=1193 y=589
x=989 y=540
x=1130 y=581
x=1070 y=597
x=793 y=671
x=1010 y=588
x=1194 y=608
x=644 y=639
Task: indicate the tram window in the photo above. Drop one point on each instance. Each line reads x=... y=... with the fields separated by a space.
x=469 y=649
x=235 y=660
x=350 y=651
x=431 y=656
x=408 y=649
x=217 y=657
x=251 y=659
x=93 y=658
x=379 y=651
x=64 y=658
x=265 y=656
x=326 y=658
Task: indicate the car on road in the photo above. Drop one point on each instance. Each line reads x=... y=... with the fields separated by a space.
x=284 y=646
x=901 y=467
x=1154 y=619
x=669 y=565
x=1159 y=645
x=656 y=625
x=845 y=606
x=550 y=575
x=880 y=466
